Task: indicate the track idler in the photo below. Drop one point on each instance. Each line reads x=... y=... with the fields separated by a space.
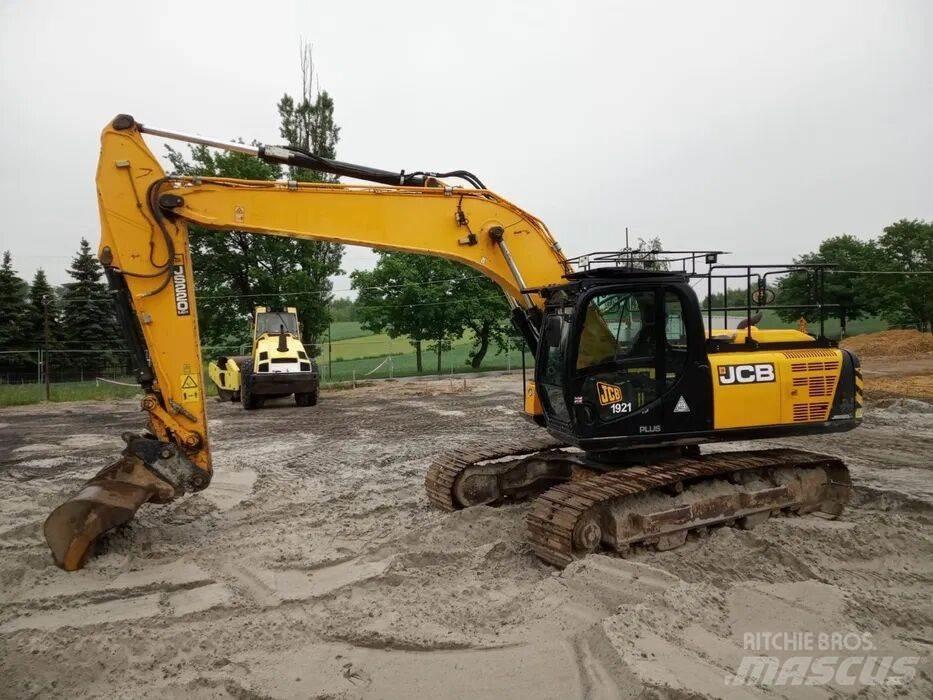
x=148 y=471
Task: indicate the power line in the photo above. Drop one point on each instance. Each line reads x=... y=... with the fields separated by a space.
x=886 y=272
x=383 y=287
x=452 y=300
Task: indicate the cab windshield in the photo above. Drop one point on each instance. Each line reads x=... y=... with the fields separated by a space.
x=272 y=322
x=618 y=327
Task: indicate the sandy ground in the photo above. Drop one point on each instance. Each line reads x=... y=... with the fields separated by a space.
x=314 y=567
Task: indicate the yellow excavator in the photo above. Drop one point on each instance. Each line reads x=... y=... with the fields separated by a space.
x=628 y=383
x=277 y=366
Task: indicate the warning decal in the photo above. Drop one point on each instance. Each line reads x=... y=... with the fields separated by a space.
x=682 y=406
x=190 y=391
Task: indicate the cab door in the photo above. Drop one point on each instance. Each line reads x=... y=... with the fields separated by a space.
x=551 y=367
x=638 y=370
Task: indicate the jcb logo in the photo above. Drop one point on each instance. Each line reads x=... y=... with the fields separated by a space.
x=746 y=374
x=608 y=393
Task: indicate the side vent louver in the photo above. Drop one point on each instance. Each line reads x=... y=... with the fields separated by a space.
x=818 y=378
x=810 y=412
x=801 y=354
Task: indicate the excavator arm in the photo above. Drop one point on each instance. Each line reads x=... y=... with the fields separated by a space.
x=144 y=249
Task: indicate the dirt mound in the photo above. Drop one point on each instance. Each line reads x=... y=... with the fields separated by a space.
x=892 y=343
x=911 y=386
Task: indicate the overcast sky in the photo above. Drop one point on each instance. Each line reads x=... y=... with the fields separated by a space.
x=753 y=127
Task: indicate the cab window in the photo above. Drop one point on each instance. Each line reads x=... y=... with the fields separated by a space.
x=632 y=348
x=618 y=327
x=675 y=345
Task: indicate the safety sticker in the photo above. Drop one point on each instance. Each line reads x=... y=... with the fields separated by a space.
x=681 y=406
x=190 y=391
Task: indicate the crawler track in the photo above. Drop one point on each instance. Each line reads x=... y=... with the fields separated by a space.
x=578 y=517
x=441 y=481
x=581 y=508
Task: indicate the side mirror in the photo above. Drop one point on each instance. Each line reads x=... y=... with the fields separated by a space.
x=552 y=330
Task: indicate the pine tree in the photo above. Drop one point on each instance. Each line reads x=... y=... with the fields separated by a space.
x=41 y=293
x=88 y=314
x=12 y=301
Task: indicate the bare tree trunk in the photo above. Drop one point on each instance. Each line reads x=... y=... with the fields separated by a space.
x=480 y=353
x=418 y=354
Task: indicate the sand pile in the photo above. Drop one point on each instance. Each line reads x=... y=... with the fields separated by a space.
x=895 y=363
x=314 y=567
x=891 y=343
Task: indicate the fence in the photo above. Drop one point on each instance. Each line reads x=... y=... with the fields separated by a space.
x=29 y=366
x=22 y=372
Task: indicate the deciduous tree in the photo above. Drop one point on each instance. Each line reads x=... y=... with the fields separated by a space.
x=480 y=306
x=237 y=270
x=405 y=295
x=432 y=301
x=850 y=291
x=906 y=247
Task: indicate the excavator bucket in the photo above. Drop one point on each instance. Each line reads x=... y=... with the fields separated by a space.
x=106 y=501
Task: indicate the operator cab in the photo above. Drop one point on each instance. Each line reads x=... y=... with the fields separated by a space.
x=622 y=353
x=626 y=357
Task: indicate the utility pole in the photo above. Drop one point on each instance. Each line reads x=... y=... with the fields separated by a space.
x=45 y=323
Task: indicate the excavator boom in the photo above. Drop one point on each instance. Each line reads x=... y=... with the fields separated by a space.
x=144 y=249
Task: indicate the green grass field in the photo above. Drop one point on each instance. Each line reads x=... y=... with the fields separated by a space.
x=342 y=330
x=358 y=353
x=866 y=325
x=23 y=394
x=405 y=364
x=350 y=342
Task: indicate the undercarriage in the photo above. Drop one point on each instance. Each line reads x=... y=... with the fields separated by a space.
x=585 y=503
